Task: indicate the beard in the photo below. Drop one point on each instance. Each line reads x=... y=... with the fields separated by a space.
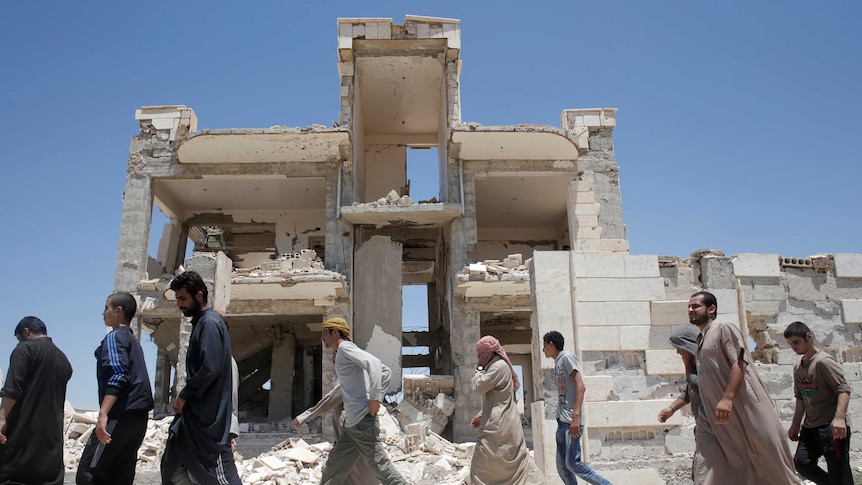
x=194 y=310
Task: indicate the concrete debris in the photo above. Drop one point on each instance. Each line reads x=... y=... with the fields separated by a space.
x=291 y=265
x=512 y=268
x=393 y=198
x=420 y=455
x=428 y=401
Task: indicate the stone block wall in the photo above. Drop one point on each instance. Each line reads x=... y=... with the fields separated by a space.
x=625 y=306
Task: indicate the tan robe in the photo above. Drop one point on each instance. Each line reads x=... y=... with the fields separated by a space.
x=751 y=448
x=501 y=455
x=360 y=474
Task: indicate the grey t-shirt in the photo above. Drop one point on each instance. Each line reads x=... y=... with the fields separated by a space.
x=564 y=364
x=361 y=377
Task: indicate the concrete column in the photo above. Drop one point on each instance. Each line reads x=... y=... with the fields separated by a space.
x=185 y=334
x=307 y=378
x=377 y=302
x=162 y=392
x=464 y=334
x=281 y=378
x=134 y=232
x=172 y=246
x=552 y=297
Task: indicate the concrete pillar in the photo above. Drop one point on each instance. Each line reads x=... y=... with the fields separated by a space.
x=464 y=334
x=377 y=302
x=185 y=334
x=162 y=391
x=172 y=246
x=552 y=297
x=307 y=377
x=134 y=232
x=281 y=378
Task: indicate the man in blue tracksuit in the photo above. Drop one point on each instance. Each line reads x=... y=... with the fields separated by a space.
x=125 y=400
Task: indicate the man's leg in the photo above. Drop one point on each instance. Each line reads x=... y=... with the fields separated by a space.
x=181 y=476
x=837 y=455
x=227 y=472
x=808 y=452
x=566 y=475
x=341 y=459
x=115 y=462
x=576 y=465
x=364 y=438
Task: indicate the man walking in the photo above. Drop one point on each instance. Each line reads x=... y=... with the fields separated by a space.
x=570 y=389
x=31 y=413
x=822 y=396
x=199 y=438
x=359 y=438
x=125 y=400
x=740 y=438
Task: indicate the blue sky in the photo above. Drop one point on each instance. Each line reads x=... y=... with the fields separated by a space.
x=737 y=128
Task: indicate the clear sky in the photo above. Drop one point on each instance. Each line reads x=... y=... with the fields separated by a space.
x=738 y=123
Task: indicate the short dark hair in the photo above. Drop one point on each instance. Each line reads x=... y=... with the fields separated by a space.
x=555 y=338
x=797 y=329
x=33 y=324
x=708 y=300
x=192 y=282
x=125 y=301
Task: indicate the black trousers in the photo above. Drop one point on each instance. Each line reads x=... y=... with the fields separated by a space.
x=115 y=462
x=817 y=442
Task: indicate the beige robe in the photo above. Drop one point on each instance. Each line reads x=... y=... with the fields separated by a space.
x=751 y=448
x=360 y=474
x=501 y=455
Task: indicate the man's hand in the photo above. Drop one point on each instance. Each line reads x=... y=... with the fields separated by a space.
x=476 y=421
x=575 y=427
x=793 y=432
x=2 y=431
x=233 y=445
x=373 y=407
x=178 y=405
x=102 y=430
x=296 y=424
x=665 y=414
x=839 y=428
x=722 y=411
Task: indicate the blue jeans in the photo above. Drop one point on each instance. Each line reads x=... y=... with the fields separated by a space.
x=569 y=464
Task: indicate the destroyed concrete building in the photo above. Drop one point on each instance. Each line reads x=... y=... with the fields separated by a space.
x=526 y=235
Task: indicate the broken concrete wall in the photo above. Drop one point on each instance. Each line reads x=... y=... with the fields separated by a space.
x=385 y=170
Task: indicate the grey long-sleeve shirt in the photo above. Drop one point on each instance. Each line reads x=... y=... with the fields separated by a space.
x=360 y=375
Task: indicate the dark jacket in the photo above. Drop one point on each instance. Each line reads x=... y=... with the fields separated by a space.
x=198 y=435
x=122 y=372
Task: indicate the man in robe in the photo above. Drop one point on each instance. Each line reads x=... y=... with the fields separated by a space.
x=31 y=413
x=740 y=438
x=198 y=444
x=501 y=454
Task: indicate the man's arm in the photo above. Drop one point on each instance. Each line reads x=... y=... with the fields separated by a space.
x=5 y=408
x=839 y=422
x=580 y=389
x=798 y=413
x=211 y=347
x=667 y=412
x=725 y=405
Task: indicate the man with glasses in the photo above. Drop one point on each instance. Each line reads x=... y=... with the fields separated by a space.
x=31 y=413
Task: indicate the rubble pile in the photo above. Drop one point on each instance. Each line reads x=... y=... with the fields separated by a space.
x=428 y=401
x=392 y=198
x=291 y=265
x=512 y=268
x=421 y=456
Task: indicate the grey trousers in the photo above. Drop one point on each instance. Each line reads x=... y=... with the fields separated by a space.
x=357 y=442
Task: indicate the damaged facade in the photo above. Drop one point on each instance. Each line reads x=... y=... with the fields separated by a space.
x=526 y=235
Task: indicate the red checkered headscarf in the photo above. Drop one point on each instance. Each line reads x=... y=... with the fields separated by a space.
x=491 y=344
